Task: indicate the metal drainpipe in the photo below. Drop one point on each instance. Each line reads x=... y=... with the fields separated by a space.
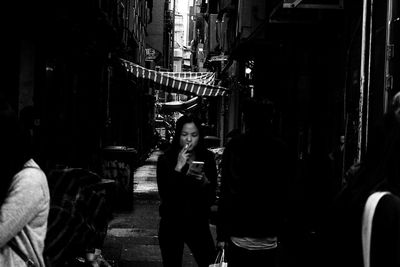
x=389 y=47
x=366 y=43
x=173 y=37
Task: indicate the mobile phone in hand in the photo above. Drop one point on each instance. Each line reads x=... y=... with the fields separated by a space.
x=196 y=168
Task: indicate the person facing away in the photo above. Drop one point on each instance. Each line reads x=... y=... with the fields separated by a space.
x=253 y=190
x=24 y=196
x=186 y=199
x=378 y=173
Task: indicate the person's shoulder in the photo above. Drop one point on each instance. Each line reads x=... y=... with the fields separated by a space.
x=236 y=144
x=31 y=180
x=390 y=203
x=387 y=209
x=31 y=166
x=387 y=216
x=238 y=140
x=31 y=173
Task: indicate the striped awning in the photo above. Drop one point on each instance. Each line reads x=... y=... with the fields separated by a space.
x=199 y=77
x=194 y=83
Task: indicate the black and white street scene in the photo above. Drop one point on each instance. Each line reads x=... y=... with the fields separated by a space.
x=200 y=133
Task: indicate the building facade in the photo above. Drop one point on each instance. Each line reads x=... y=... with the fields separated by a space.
x=66 y=71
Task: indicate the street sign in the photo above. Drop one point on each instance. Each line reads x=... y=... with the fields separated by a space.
x=151 y=54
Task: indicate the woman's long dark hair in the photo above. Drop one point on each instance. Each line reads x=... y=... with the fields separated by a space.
x=187 y=118
x=12 y=151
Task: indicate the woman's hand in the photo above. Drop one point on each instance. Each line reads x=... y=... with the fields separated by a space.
x=203 y=179
x=183 y=157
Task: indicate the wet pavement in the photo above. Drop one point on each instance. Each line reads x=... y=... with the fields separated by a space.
x=132 y=235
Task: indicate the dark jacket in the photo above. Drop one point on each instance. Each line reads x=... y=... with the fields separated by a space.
x=253 y=187
x=343 y=237
x=184 y=196
x=385 y=245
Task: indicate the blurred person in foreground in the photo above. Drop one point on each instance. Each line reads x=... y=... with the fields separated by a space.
x=24 y=197
x=186 y=198
x=253 y=190
x=380 y=172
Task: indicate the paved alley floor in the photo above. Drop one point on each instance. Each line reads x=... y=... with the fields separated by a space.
x=132 y=236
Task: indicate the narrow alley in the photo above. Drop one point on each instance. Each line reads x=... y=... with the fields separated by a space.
x=94 y=86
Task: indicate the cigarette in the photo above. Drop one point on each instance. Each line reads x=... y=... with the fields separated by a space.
x=186 y=146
